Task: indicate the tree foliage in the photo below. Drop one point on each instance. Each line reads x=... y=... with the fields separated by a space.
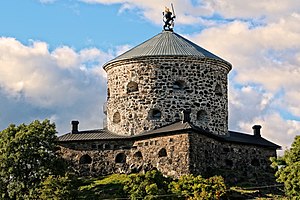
x=59 y=188
x=27 y=157
x=147 y=185
x=288 y=169
x=196 y=187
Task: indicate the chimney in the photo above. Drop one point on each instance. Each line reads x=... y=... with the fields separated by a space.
x=256 y=130
x=74 y=126
x=186 y=116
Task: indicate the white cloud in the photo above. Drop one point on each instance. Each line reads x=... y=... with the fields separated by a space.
x=203 y=12
x=60 y=85
x=187 y=12
x=264 y=82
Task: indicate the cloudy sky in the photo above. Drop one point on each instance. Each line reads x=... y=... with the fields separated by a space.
x=52 y=52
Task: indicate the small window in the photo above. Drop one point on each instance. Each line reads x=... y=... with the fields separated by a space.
x=108 y=93
x=154 y=114
x=85 y=159
x=202 y=116
x=106 y=146
x=255 y=162
x=162 y=153
x=178 y=85
x=120 y=158
x=228 y=162
x=132 y=87
x=218 y=90
x=138 y=155
x=116 y=117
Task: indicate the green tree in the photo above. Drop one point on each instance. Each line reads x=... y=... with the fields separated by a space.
x=59 y=188
x=27 y=157
x=288 y=169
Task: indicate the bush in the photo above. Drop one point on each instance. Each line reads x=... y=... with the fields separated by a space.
x=192 y=187
x=146 y=185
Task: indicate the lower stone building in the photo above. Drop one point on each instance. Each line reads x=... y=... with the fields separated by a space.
x=176 y=149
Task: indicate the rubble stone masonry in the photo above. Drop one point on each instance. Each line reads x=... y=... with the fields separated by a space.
x=150 y=92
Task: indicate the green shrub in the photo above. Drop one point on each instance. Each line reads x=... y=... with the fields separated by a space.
x=192 y=187
x=146 y=185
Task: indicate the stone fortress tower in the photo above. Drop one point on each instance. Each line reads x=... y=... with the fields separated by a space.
x=167 y=109
x=163 y=80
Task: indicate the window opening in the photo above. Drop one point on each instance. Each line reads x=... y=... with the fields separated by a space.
x=116 y=117
x=85 y=159
x=178 y=85
x=138 y=155
x=202 y=116
x=154 y=114
x=162 y=153
x=132 y=87
x=120 y=158
x=218 y=90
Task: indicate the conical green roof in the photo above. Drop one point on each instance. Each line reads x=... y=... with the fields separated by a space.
x=166 y=43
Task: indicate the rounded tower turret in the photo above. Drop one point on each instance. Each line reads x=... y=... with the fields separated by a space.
x=151 y=85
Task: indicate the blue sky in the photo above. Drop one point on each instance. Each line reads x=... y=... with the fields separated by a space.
x=71 y=23
x=52 y=52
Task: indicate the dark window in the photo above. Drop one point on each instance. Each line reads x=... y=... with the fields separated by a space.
x=94 y=146
x=202 y=116
x=255 y=162
x=85 y=159
x=132 y=87
x=108 y=93
x=138 y=155
x=116 y=117
x=154 y=114
x=120 y=158
x=228 y=163
x=218 y=90
x=162 y=153
x=178 y=85
x=106 y=146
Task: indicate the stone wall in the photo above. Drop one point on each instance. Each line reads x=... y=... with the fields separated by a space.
x=169 y=154
x=145 y=93
x=235 y=162
x=173 y=155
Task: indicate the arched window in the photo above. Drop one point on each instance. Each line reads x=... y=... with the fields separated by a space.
x=218 y=90
x=138 y=155
x=120 y=158
x=202 y=116
x=85 y=159
x=154 y=114
x=162 y=153
x=116 y=117
x=178 y=85
x=132 y=87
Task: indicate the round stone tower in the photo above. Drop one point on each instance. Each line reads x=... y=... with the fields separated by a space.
x=152 y=84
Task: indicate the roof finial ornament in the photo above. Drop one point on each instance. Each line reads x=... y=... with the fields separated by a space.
x=168 y=18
